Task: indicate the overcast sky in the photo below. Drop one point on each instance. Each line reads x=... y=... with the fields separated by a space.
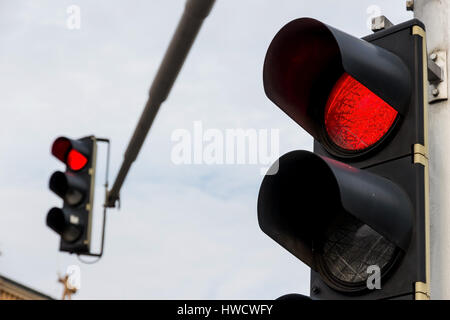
x=183 y=231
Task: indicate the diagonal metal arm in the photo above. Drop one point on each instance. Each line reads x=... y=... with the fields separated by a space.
x=194 y=14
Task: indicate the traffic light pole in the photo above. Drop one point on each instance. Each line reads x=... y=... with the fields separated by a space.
x=435 y=14
x=194 y=14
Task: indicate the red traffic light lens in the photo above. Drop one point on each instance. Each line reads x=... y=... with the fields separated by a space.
x=355 y=117
x=75 y=160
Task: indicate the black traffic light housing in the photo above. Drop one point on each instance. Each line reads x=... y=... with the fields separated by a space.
x=326 y=207
x=75 y=186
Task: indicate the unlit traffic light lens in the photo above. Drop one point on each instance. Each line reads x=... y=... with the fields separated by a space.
x=58 y=220
x=350 y=247
x=355 y=117
x=69 y=187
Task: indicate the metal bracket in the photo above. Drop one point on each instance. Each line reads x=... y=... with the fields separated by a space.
x=381 y=23
x=100 y=254
x=437 y=76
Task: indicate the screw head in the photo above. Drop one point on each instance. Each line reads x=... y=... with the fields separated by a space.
x=410 y=5
x=433 y=56
x=315 y=290
x=435 y=92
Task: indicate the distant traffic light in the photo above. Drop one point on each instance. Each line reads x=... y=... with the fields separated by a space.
x=75 y=187
x=360 y=202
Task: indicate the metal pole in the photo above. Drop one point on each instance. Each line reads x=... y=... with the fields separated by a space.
x=435 y=14
x=194 y=14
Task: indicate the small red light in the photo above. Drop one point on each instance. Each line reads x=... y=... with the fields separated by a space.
x=355 y=117
x=75 y=160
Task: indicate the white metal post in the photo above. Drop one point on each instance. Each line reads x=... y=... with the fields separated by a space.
x=435 y=15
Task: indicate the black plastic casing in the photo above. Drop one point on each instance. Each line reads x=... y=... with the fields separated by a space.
x=394 y=160
x=83 y=210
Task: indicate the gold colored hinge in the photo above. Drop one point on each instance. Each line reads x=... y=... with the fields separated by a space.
x=420 y=154
x=418 y=31
x=419 y=148
x=88 y=206
x=422 y=291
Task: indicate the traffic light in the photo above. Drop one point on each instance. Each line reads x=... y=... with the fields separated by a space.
x=76 y=187
x=356 y=209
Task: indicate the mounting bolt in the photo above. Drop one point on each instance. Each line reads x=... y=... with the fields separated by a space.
x=315 y=290
x=381 y=23
x=410 y=5
x=435 y=92
x=433 y=57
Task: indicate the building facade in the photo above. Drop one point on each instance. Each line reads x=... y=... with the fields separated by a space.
x=12 y=290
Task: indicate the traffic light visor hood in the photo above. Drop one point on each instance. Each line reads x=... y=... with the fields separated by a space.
x=297 y=206
x=307 y=58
